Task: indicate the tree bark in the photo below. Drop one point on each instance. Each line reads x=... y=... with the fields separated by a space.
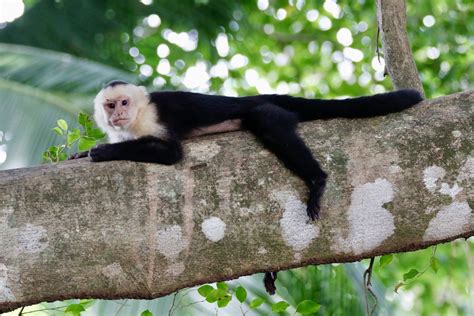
x=133 y=230
x=399 y=62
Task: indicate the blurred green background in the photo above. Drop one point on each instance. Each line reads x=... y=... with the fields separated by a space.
x=56 y=54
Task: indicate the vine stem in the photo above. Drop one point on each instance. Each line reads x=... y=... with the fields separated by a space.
x=368 y=289
x=170 y=311
x=121 y=307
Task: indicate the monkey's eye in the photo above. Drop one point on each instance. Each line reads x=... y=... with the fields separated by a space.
x=110 y=105
x=125 y=102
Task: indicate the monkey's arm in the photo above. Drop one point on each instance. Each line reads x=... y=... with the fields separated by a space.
x=145 y=149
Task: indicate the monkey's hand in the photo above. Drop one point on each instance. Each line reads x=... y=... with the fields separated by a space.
x=79 y=155
x=104 y=152
x=99 y=153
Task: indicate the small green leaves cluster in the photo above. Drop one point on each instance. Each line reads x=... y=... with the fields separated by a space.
x=86 y=138
x=222 y=295
x=410 y=276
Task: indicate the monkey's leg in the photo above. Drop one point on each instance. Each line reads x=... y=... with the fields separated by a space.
x=276 y=128
x=269 y=282
x=145 y=149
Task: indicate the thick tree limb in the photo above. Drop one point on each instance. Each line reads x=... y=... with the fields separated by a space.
x=131 y=230
x=401 y=67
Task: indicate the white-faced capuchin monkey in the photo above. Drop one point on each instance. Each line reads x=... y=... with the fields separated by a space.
x=149 y=127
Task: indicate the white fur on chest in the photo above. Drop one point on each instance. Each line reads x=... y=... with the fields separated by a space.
x=147 y=123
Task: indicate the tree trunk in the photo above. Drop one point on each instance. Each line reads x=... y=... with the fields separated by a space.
x=398 y=57
x=133 y=230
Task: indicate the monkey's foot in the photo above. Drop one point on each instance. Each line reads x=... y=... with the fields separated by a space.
x=269 y=282
x=314 y=202
x=313 y=209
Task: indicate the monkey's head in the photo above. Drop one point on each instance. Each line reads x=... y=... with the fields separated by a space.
x=117 y=105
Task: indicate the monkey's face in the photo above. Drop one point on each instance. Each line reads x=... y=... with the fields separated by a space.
x=117 y=107
x=120 y=111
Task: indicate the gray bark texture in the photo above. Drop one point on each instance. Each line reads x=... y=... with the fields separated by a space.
x=399 y=62
x=132 y=230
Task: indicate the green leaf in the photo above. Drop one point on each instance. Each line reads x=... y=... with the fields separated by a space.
x=56 y=72
x=434 y=264
x=58 y=131
x=205 y=290
x=146 y=313
x=279 y=307
x=73 y=136
x=74 y=309
x=96 y=133
x=62 y=156
x=62 y=124
x=84 y=120
x=241 y=294
x=46 y=157
x=216 y=295
x=87 y=302
x=212 y=296
x=385 y=260
x=222 y=286
x=256 y=302
x=307 y=307
x=53 y=150
x=85 y=143
x=410 y=274
x=223 y=302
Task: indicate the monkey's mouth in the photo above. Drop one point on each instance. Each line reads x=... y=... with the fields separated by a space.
x=120 y=122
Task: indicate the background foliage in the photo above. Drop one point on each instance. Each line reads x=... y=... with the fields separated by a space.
x=55 y=57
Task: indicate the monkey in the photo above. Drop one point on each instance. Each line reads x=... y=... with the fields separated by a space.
x=149 y=127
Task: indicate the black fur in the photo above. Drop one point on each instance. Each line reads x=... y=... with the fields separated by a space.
x=271 y=118
x=114 y=83
x=145 y=149
x=269 y=282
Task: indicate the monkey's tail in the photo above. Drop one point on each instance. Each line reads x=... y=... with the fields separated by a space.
x=360 y=107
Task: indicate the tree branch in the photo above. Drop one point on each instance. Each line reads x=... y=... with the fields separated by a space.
x=401 y=67
x=131 y=230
